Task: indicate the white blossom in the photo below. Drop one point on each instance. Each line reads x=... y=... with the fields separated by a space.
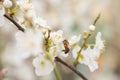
x=89 y=56
x=42 y=66
x=7 y=3
x=41 y=22
x=29 y=42
x=73 y=41
x=30 y=15
x=99 y=45
x=25 y=5
x=57 y=36
x=86 y=57
x=53 y=51
x=92 y=27
x=99 y=42
x=75 y=51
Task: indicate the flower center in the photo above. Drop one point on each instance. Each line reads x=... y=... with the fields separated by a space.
x=42 y=63
x=57 y=37
x=81 y=56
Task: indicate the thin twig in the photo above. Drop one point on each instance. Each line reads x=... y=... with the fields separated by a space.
x=97 y=18
x=14 y=22
x=70 y=67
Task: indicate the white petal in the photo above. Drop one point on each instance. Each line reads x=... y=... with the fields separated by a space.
x=99 y=41
x=74 y=40
x=57 y=36
x=41 y=22
x=42 y=69
x=75 y=51
x=93 y=66
x=64 y=55
x=30 y=42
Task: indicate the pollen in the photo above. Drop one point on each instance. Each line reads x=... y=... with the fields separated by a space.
x=57 y=37
x=81 y=56
x=42 y=63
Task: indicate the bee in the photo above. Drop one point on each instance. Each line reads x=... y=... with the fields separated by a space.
x=66 y=46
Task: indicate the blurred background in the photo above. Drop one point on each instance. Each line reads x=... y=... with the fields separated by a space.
x=73 y=17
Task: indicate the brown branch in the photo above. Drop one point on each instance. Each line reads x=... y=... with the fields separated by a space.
x=14 y=22
x=70 y=67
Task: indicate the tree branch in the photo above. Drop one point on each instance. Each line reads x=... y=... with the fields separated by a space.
x=70 y=67
x=14 y=22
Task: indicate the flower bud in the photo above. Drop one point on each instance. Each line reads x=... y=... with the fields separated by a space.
x=7 y=3
x=92 y=27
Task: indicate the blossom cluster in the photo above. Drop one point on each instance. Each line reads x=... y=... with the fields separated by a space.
x=40 y=41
